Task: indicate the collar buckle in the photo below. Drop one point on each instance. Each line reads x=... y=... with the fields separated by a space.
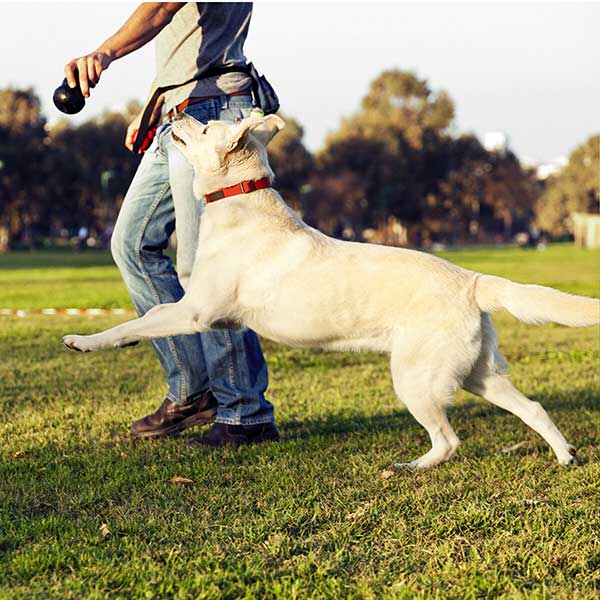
x=248 y=186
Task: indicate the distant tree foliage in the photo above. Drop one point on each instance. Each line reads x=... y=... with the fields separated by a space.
x=391 y=143
x=575 y=189
x=397 y=157
x=61 y=177
x=291 y=162
x=96 y=168
x=24 y=170
x=396 y=167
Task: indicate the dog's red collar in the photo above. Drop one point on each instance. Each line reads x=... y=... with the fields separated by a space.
x=245 y=187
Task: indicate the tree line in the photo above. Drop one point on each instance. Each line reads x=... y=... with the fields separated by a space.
x=394 y=172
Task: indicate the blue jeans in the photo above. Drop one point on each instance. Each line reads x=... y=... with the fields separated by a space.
x=159 y=201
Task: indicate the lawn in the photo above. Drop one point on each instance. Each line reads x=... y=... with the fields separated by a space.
x=86 y=513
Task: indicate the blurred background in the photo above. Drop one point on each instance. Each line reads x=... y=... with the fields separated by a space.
x=425 y=125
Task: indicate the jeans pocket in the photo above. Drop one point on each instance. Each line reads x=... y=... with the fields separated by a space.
x=156 y=146
x=236 y=109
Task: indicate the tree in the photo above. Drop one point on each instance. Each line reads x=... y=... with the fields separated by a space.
x=510 y=192
x=575 y=189
x=62 y=176
x=389 y=144
x=454 y=211
x=337 y=203
x=398 y=155
x=401 y=104
x=94 y=170
x=483 y=193
x=23 y=167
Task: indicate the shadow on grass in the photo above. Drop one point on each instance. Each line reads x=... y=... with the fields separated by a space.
x=84 y=478
x=337 y=425
x=468 y=410
x=472 y=408
x=582 y=398
x=332 y=432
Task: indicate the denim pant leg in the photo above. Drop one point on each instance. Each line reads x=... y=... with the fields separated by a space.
x=160 y=198
x=144 y=226
x=236 y=366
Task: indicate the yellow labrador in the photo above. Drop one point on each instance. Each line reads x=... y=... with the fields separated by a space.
x=258 y=264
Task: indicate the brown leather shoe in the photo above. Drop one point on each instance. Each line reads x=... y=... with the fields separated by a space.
x=171 y=418
x=221 y=434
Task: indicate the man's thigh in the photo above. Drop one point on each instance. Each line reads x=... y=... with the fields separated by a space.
x=188 y=209
x=147 y=216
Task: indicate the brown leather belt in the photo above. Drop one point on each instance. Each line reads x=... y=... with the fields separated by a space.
x=196 y=99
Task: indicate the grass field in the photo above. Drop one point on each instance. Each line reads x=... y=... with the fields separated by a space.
x=86 y=513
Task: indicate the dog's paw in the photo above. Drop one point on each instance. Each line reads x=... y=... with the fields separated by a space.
x=571 y=460
x=78 y=343
x=416 y=465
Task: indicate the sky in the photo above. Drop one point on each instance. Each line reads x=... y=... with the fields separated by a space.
x=530 y=70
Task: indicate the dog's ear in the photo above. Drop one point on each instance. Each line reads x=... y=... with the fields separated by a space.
x=263 y=128
x=271 y=125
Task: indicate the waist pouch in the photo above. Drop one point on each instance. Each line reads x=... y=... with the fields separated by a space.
x=263 y=94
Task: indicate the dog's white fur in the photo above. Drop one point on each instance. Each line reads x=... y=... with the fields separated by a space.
x=258 y=264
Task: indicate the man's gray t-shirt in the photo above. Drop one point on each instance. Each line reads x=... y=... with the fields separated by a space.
x=203 y=35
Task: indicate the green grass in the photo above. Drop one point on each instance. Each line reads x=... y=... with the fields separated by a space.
x=60 y=279
x=322 y=514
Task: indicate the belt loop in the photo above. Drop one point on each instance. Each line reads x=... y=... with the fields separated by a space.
x=224 y=101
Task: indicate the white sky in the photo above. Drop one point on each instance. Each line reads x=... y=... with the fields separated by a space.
x=531 y=70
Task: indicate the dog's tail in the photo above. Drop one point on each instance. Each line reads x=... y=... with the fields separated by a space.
x=535 y=303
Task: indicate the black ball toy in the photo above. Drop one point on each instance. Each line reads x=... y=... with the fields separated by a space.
x=68 y=100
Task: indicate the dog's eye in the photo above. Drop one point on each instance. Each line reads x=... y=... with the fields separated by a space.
x=205 y=130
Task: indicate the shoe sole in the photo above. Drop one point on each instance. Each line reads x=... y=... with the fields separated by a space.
x=194 y=443
x=201 y=418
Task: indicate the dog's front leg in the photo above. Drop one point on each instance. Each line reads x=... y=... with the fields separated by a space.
x=164 y=320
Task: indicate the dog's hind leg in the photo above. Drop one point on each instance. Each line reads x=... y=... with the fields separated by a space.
x=177 y=318
x=498 y=389
x=490 y=380
x=426 y=392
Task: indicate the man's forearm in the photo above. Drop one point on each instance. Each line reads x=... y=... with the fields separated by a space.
x=146 y=22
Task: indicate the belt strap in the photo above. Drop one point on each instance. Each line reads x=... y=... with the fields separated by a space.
x=196 y=99
x=245 y=187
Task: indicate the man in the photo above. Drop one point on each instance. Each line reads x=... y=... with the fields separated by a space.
x=220 y=375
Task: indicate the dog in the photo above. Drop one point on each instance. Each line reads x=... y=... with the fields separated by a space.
x=259 y=265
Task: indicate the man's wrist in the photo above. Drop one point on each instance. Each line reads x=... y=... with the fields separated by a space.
x=108 y=52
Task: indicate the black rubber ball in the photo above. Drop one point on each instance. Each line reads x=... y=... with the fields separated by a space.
x=68 y=100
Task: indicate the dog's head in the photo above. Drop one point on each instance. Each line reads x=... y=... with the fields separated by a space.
x=224 y=151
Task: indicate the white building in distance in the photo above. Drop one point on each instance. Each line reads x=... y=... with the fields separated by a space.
x=552 y=168
x=496 y=141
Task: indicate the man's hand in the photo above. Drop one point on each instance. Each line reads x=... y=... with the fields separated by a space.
x=132 y=132
x=153 y=123
x=87 y=69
